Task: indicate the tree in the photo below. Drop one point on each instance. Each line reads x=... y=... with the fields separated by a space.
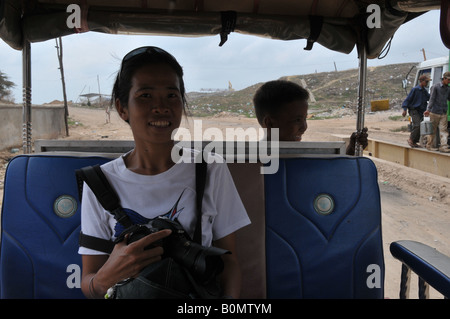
x=5 y=86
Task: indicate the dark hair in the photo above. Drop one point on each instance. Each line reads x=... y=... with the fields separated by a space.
x=271 y=96
x=424 y=77
x=136 y=59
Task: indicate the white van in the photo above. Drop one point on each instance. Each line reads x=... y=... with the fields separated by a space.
x=434 y=68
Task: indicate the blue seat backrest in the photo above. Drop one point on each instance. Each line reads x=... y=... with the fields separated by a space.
x=39 y=248
x=323 y=229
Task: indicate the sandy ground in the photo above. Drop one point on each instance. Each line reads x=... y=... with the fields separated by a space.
x=415 y=204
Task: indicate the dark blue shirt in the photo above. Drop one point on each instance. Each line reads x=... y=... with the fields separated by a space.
x=416 y=99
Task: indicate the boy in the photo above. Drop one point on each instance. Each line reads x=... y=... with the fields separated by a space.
x=284 y=105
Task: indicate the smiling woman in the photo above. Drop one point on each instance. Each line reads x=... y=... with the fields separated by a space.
x=149 y=94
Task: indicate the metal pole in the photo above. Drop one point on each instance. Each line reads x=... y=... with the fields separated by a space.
x=361 y=95
x=405 y=280
x=448 y=102
x=26 y=78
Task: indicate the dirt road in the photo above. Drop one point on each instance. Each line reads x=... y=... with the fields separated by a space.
x=415 y=205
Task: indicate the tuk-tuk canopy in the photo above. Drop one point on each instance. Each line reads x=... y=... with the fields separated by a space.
x=336 y=24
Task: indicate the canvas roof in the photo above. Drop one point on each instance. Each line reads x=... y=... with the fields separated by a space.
x=336 y=24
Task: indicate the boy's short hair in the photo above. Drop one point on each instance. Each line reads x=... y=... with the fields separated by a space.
x=272 y=95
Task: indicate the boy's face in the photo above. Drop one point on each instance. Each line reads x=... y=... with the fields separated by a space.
x=291 y=121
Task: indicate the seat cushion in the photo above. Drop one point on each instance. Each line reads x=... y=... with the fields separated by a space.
x=323 y=229
x=40 y=227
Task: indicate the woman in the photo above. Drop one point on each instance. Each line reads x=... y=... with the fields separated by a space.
x=149 y=94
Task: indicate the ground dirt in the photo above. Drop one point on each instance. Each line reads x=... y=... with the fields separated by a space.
x=415 y=204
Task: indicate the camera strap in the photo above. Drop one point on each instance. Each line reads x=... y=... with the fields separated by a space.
x=200 y=181
x=102 y=189
x=107 y=197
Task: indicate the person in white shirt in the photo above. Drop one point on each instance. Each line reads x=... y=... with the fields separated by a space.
x=149 y=94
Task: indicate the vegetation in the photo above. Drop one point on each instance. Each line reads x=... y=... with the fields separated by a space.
x=403 y=128
x=72 y=122
x=5 y=87
x=396 y=118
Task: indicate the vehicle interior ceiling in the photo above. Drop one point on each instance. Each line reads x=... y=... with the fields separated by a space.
x=336 y=24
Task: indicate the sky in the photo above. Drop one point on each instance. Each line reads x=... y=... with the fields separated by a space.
x=92 y=59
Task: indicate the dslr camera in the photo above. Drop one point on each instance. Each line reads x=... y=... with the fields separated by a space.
x=204 y=263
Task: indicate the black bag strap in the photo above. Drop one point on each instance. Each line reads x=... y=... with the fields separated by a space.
x=102 y=189
x=200 y=182
x=100 y=244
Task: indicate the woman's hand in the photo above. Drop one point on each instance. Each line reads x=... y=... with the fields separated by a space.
x=128 y=260
x=125 y=261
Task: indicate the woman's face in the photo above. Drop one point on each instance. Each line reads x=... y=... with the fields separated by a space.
x=155 y=104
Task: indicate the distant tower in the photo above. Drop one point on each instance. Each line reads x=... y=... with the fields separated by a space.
x=230 y=87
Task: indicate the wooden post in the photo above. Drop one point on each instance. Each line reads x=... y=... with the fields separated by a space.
x=59 y=51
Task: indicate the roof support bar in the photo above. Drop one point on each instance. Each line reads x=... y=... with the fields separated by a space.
x=362 y=56
x=26 y=83
x=228 y=24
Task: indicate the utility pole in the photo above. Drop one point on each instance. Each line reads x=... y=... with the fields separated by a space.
x=59 y=51
x=99 y=94
x=424 y=56
x=100 y=101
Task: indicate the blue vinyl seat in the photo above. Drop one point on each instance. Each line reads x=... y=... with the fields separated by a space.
x=323 y=229
x=40 y=227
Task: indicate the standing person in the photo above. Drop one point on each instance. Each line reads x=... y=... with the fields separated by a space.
x=149 y=94
x=284 y=105
x=437 y=110
x=416 y=104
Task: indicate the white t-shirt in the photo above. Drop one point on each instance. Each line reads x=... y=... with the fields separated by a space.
x=154 y=195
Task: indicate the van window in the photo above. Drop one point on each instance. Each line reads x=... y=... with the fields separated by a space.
x=422 y=72
x=437 y=76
